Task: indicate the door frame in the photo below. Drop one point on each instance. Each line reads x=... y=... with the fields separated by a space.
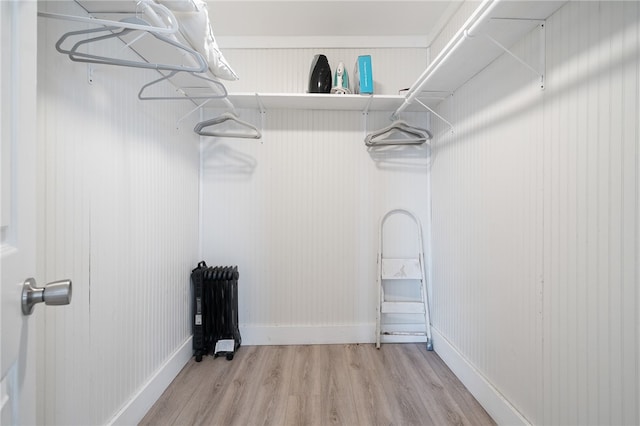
x=18 y=79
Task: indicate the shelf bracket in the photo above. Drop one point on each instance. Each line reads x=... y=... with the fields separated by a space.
x=228 y=103
x=263 y=114
x=365 y=122
x=538 y=72
x=436 y=114
x=365 y=115
x=368 y=105
x=181 y=119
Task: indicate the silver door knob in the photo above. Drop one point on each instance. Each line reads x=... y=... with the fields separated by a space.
x=55 y=293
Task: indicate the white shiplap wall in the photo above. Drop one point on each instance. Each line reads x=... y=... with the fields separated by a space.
x=591 y=215
x=298 y=212
x=299 y=215
x=536 y=221
x=487 y=225
x=120 y=218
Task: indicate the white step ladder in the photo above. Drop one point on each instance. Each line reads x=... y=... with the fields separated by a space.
x=411 y=268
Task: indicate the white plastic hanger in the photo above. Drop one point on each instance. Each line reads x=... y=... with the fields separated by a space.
x=253 y=133
x=185 y=90
x=398 y=133
x=75 y=55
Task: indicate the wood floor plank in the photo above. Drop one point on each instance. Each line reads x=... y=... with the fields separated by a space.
x=371 y=404
x=448 y=406
x=174 y=399
x=294 y=412
x=303 y=406
x=319 y=385
x=270 y=400
x=216 y=375
x=469 y=406
x=336 y=397
x=241 y=391
x=404 y=389
x=182 y=401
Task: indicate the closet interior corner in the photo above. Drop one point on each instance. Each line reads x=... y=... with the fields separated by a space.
x=279 y=136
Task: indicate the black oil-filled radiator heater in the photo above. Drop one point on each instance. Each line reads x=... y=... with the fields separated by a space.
x=215 y=311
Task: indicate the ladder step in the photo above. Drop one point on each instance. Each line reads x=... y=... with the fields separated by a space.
x=402 y=308
x=404 y=333
x=401 y=269
x=401 y=338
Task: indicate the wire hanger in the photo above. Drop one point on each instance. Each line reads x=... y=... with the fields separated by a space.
x=186 y=90
x=253 y=134
x=398 y=133
x=77 y=56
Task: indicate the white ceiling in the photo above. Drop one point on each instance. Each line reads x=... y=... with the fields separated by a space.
x=416 y=20
x=326 y=18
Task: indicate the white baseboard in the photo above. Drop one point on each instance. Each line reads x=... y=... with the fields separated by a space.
x=487 y=395
x=143 y=400
x=322 y=335
x=307 y=335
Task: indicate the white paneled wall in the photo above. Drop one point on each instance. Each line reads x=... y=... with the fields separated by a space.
x=536 y=221
x=298 y=212
x=120 y=219
x=487 y=225
x=299 y=215
x=591 y=215
x=535 y=218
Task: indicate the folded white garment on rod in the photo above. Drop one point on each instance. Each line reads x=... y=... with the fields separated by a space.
x=195 y=26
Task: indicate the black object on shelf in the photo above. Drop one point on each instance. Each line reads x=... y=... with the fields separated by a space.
x=320 y=79
x=215 y=311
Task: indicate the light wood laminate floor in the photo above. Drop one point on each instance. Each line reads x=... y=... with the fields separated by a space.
x=400 y=384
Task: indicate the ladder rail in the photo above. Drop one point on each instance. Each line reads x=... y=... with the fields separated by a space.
x=380 y=299
x=384 y=305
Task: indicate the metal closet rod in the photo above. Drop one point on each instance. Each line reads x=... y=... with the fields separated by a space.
x=477 y=17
